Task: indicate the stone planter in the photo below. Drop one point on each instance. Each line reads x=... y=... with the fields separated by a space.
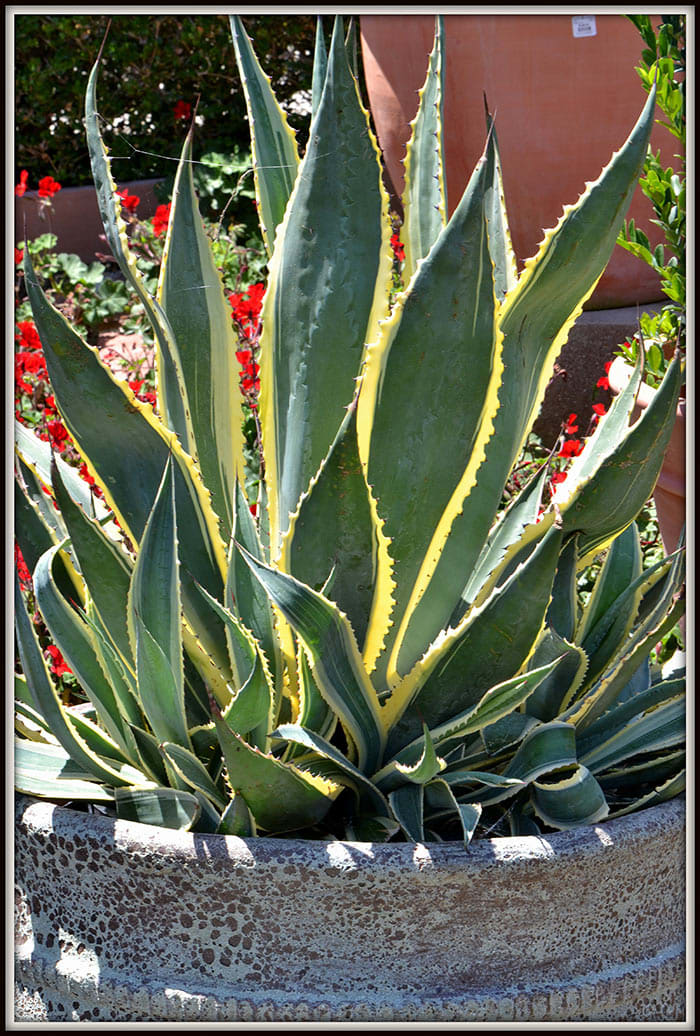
x=563 y=102
x=118 y=921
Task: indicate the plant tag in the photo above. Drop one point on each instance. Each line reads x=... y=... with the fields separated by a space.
x=583 y=25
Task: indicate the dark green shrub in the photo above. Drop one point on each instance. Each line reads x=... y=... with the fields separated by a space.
x=54 y=53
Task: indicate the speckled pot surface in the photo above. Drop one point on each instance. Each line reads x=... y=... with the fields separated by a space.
x=118 y=921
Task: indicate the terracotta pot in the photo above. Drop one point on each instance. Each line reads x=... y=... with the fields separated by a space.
x=669 y=492
x=562 y=104
x=117 y=921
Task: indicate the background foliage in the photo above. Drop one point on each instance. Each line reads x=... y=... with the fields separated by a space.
x=54 y=54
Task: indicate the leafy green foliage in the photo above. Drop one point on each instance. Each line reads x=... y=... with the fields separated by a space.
x=663 y=65
x=140 y=53
x=373 y=625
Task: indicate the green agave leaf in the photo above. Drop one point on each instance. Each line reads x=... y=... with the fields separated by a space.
x=335 y=659
x=37 y=456
x=98 y=741
x=279 y=796
x=250 y=707
x=76 y=642
x=129 y=461
x=508 y=535
x=34 y=537
x=163 y=807
x=247 y=598
x=32 y=532
x=562 y=614
x=535 y=320
x=320 y=66
x=274 y=146
x=651 y=729
x=344 y=772
x=333 y=529
x=548 y=747
x=439 y=796
x=327 y=287
x=490 y=645
x=106 y=568
x=650 y=769
x=668 y=790
x=407 y=806
x=189 y=768
x=622 y=565
x=314 y=712
x=424 y=200
x=172 y=395
x=497 y=703
x=560 y=686
x=30 y=723
x=237 y=820
x=505 y=269
x=154 y=619
x=48 y=772
x=192 y=296
x=424 y=425
x=572 y=799
x=605 y=491
x=506 y=732
x=49 y=705
x=171 y=386
x=424 y=769
x=613 y=682
x=253 y=707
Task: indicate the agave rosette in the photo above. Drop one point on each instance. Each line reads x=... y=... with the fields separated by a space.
x=381 y=650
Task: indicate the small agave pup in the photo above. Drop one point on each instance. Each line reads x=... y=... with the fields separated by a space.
x=382 y=651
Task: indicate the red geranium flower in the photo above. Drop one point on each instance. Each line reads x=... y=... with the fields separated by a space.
x=129 y=201
x=48 y=187
x=161 y=219
x=599 y=409
x=571 y=448
x=569 y=425
x=558 y=476
x=398 y=248
x=182 y=110
x=19 y=256
x=58 y=434
x=25 y=576
x=28 y=337
x=22 y=185
x=57 y=663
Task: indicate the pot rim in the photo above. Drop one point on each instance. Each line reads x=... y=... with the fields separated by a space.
x=134 y=836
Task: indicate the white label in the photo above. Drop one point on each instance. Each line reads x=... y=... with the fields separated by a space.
x=583 y=25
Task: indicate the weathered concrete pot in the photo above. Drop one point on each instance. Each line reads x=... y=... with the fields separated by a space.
x=118 y=921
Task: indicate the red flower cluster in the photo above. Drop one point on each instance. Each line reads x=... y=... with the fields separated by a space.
x=148 y=396
x=160 y=219
x=246 y=308
x=603 y=382
x=57 y=663
x=19 y=256
x=129 y=201
x=182 y=110
x=25 y=576
x=397 y=248
x=48 y=187
x=32 y=382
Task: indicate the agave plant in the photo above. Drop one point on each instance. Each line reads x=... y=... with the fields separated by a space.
x=381 y=649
